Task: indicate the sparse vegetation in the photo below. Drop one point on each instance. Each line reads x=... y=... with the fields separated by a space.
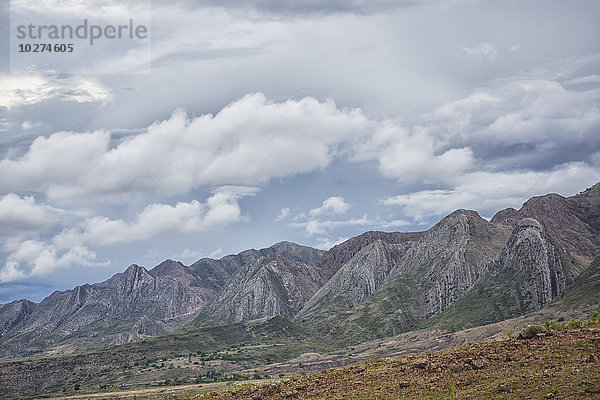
x=561 y=364
x=195 y=356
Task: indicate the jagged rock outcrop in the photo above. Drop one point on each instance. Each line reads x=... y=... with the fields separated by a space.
x=13 y=313
x=215 y=274
x=539 y=269
x=178 y=271
x=586 y=207
x=565 y=219
x=266 y=287
x=357 y=279
x=532 y=270
x=110 y=307
x=340 y=254
x=416 y=278
x=136 y=302
x=450 y=258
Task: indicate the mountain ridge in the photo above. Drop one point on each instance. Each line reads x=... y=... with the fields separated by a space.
x=373 y=285
x=128 y=306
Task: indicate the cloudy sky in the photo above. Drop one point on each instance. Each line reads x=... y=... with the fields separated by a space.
x=268 y=120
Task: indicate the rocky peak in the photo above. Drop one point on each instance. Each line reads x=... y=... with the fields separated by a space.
x=357 y=279
x=270 y=285
x=295 y=252
x=456 y=223
x=134 y=277
x=135 y=271
x=13 y=313
x=538 y=266
x=338 y=255
x=176 y=270
x=215 y=274
x=564 y=219
x=168 y=268
x=587 y=206
x=451 y=257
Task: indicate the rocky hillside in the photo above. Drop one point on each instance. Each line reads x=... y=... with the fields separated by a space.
x=572 y=221
x=532 y=270
x=554 y=365
x=340 y=254
x=358 y=278
x=265 y=287
x=464 y=271
x=14 y=313
x=465 y=268
x=135 y=303
x=388 y=288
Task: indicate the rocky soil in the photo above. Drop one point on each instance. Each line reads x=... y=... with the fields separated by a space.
x=551 y=365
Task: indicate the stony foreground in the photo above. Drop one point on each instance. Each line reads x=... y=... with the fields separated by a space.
x=556 y=365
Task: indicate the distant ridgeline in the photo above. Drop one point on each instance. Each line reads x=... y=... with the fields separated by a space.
x=465 y=271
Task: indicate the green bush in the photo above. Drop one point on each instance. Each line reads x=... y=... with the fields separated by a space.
x=536 y=329
x=561 y=324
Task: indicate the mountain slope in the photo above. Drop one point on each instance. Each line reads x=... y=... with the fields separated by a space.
x=357 y=279
x=565 y=219
x=532 y=270
x=266 y=287
x=587 y=207
x=130 y=305
x=215 y=274
x=124 y=303
x=13 y=313
x=427 y=275
x=338 y=255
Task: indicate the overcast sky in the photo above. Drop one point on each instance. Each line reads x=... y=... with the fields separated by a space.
x=310 y=121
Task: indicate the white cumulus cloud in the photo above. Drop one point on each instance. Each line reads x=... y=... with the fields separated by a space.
x=35 y=258
x=489 y=192
x=250 y=141
x=19 y=214
x=331 y=205
x=219 y=210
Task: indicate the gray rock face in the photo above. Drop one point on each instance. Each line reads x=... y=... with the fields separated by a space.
x=266 y=287
x=451 y=257
x=357 y=279
x=571 y=221
x=389 y=287
x=139 y=303
x=340 y=254
x=115 y=305
x=536 y=265
x=532 y=270
x=13 y=313
x=215 y=274
x=181 y=273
